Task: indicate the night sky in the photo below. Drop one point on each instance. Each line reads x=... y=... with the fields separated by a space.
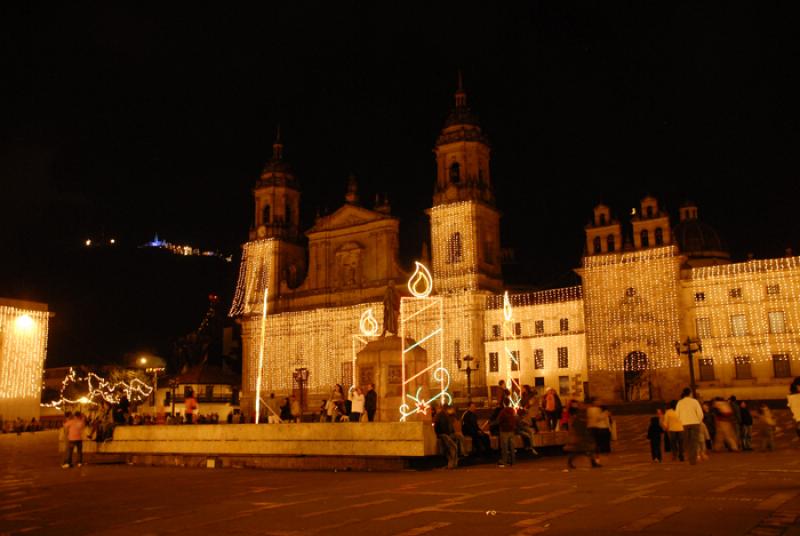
x=122 y=120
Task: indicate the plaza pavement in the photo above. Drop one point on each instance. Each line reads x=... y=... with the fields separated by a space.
x=731 y=494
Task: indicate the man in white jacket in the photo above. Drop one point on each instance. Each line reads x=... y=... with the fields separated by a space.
x=691 y=414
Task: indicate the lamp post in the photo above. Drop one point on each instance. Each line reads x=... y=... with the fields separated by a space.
x=173 y=384
x=689 y=352
x=469 y=359
x=301 y=377
x=152 y=365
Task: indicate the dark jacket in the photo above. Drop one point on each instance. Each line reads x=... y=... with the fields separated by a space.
x=747 y=418
x=507 y=420
x=654 y=431
x=469 y=424
x=371 y=400
x=443 y=424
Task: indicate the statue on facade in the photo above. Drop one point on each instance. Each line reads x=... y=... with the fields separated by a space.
x=391 y=310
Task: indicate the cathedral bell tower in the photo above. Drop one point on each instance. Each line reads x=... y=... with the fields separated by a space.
x=277 y=199
x=465 y=225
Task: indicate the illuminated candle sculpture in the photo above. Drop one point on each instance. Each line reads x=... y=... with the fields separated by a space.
x=422 y=323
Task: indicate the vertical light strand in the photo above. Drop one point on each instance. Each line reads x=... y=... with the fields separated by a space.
x=261 y=354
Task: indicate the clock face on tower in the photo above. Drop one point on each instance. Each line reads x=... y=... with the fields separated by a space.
x=261 y=232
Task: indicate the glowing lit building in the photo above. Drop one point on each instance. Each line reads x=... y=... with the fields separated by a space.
x=23 y=348
x=614 y=336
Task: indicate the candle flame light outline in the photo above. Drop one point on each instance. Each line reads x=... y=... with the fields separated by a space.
x=368 y=327
x=368 y=324
x=423 y=276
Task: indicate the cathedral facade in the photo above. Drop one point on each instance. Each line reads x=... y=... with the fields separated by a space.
x=619 y=335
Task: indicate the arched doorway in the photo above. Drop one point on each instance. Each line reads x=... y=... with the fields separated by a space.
x=637 y=377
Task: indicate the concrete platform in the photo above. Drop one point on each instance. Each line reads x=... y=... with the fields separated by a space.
x=362 y=446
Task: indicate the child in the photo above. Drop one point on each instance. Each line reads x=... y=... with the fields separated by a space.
x=766 y=424
x=563 y=424
x=654 y=435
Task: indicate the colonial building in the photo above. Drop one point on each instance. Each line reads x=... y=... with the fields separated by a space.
x=300 y=296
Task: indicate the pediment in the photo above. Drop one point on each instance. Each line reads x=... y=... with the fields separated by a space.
x=347 y=216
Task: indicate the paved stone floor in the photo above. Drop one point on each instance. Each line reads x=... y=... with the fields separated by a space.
x=731 y=494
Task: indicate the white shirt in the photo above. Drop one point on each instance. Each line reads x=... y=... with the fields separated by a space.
x=793 y=401
x=358 y=403
x=689 y=411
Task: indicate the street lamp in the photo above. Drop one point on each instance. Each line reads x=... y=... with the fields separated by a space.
x=152 y=365
x=301 y=377
x=689 y=352
x=468 y=359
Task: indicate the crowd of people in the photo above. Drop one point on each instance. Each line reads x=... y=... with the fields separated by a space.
x=689 y=429
x=590 y=426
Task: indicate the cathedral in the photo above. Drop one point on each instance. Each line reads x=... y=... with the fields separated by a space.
x=657 y=305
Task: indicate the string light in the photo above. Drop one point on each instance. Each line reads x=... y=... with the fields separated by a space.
x=253 y=273
x=23 y=347
x=98 y=388
x=735 y=302
x=518 y=326
x=318 y=339
x=261 y=353
x=632 y=309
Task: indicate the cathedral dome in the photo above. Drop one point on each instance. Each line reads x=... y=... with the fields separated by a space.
x=698 y=240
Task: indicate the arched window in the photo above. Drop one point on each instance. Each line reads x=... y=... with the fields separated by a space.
x=645 y=239
x=597 y=247
x=454 y=251
x=602 y=219
x=659 y=236
x=265 y=215
x=455 y=173
x=650 y=211
x=610 y=242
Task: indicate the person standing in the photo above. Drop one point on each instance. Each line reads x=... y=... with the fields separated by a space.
x=766 y=427
x=654 y=435
x=502 y=393
x=793 y=401
x=711 y=425
x=507 y=423
x=357 y=404
x=445 y=432
x=296 y=409
x=286 y=410
x=190 y=407
x=724 y=425
x=674 y=429
x=593 y=418
x=737 y=420
x=371 y=402
x=747 y=426
x=580 y=442
x=336 y=403
x=552 y=408
x=690 y=414
x=73 y=430
x=605 y=424
x=273 y=409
